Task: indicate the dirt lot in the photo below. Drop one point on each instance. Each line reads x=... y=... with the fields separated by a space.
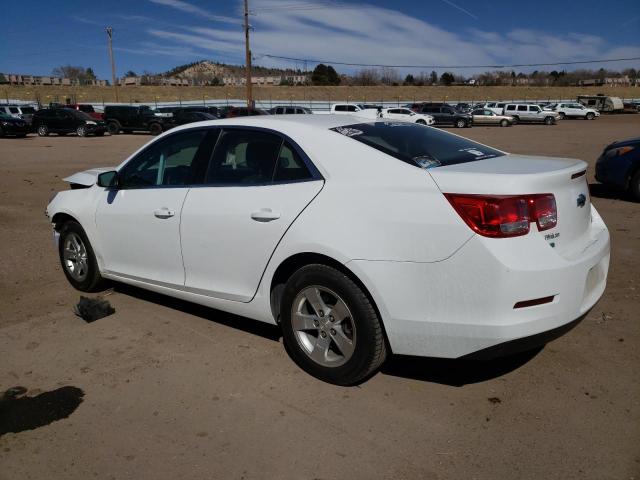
x=46 y=94
x=171 y=390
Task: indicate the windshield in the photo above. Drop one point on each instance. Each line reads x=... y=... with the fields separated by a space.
x=417 y=145
x=28 y=110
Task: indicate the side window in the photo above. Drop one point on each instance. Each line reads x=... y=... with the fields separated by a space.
x=534 y=108
x=290 y=111
x=340 y=108
x=511 y=108
x=351 y=108
x=522 y=108
x=244 y=157
x=13 y=110
x=167 y=162
x=290 y=166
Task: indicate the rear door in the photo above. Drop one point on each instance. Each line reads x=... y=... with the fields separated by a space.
x=257 y=183
x=138 y=223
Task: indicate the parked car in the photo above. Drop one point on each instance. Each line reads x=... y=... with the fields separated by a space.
x=574 y=110
x=484 y=116
x=23 y=112
x=346 y=109
x=529 y=113
x=182 y=117
x=124 y=118
x=408 y=115
x=64 y=121
x=495 y=107
x=12 y=127
x=198 y=108
x=619 y=166
x=290 y=110
x=369 y=106
x=245 y=112
x=447 y=115
x=350 y=271
x=86 y=108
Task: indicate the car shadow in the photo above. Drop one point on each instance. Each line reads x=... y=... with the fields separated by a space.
x=254 y=327
x=455 y=372
x=451 y=372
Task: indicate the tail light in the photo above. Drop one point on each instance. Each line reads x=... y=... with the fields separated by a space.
x=502 y=216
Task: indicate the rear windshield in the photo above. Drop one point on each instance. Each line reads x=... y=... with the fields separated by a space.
x=418 y=145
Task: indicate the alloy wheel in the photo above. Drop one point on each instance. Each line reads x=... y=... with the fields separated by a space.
x=76 y=260
x=323 y=326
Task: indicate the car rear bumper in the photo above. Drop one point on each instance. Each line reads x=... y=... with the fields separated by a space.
x=467 y=303
x=15 y=130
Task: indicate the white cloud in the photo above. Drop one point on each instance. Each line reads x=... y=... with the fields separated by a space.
x=189 y=8
x=379 y=35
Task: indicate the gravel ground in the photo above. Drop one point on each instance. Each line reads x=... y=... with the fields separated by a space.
x=164 y=389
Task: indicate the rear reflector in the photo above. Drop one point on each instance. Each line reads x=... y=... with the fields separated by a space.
x=503 y=216
x=535 y=301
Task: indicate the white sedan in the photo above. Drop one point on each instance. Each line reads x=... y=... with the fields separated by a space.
x=408 y=115
x=358 y=237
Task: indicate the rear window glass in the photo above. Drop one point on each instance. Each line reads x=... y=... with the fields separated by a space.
x=417 y=145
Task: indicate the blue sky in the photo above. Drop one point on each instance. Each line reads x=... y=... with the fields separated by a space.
x=155 y=35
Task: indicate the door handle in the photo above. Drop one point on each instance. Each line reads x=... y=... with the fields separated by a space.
x=164 y=212
x=265 y=215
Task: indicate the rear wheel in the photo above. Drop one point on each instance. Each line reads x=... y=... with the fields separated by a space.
x=113 y=128
x=516 y=119
x=562 y=115
x=461 y=123
x=43 y=131
x=590 y=116
x=155 y=129
x=77 y=258
x=330 y=328
x=634 y=186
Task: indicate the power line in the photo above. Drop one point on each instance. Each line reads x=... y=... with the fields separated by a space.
x=451 y=67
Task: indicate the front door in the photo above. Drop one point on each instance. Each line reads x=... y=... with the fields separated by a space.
x=138 y=223
x=256 y=185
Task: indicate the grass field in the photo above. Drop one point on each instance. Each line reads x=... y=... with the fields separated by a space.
x=46 y=94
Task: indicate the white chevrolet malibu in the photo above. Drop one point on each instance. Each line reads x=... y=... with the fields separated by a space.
x=358 y=237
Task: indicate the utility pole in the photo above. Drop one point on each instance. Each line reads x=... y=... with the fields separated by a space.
x=248 y=55
x=109 y=31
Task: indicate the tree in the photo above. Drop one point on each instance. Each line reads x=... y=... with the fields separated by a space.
x=389 y=76
x=332 y=76
x=89 y=74
x=320 y=75
x=366 y=77
x=3 y=79
x=131 y=73
x=409 y=80
x=447 y=78
x=433 y=77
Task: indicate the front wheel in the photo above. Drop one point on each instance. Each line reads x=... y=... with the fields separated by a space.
x=81 y=131
x=549 y=120
x=590 y=116
x=461 y=123
x=77 y=258
x=421 y=122
x=330 y=328
x=43 y=131
x=155 y=129
x=634 y=187
x=504 y=123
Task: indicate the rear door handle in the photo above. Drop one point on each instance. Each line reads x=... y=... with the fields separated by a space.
x=265 y=215
x=164 y=212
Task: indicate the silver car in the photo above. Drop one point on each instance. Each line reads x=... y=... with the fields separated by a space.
x=484 y=116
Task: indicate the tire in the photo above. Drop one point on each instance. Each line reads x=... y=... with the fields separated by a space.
x=549 y=120
x=78 y=260
x=461 y=123
x=43 y=131
x=349 y=344
x=590 y=116
x=516 y=120
x=421 y=122
x=113 y=128
x=562 y=115
x=155 y=129
x=81 y=131
x=504 y=123
x=634 y=187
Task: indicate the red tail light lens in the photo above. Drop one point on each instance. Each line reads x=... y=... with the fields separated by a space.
x=502 y=216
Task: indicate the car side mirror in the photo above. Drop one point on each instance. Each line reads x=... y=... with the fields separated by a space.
x=108 y=179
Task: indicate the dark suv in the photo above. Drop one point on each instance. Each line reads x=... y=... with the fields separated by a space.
x=63 y=121
x=124 y=118
x=444 y=114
